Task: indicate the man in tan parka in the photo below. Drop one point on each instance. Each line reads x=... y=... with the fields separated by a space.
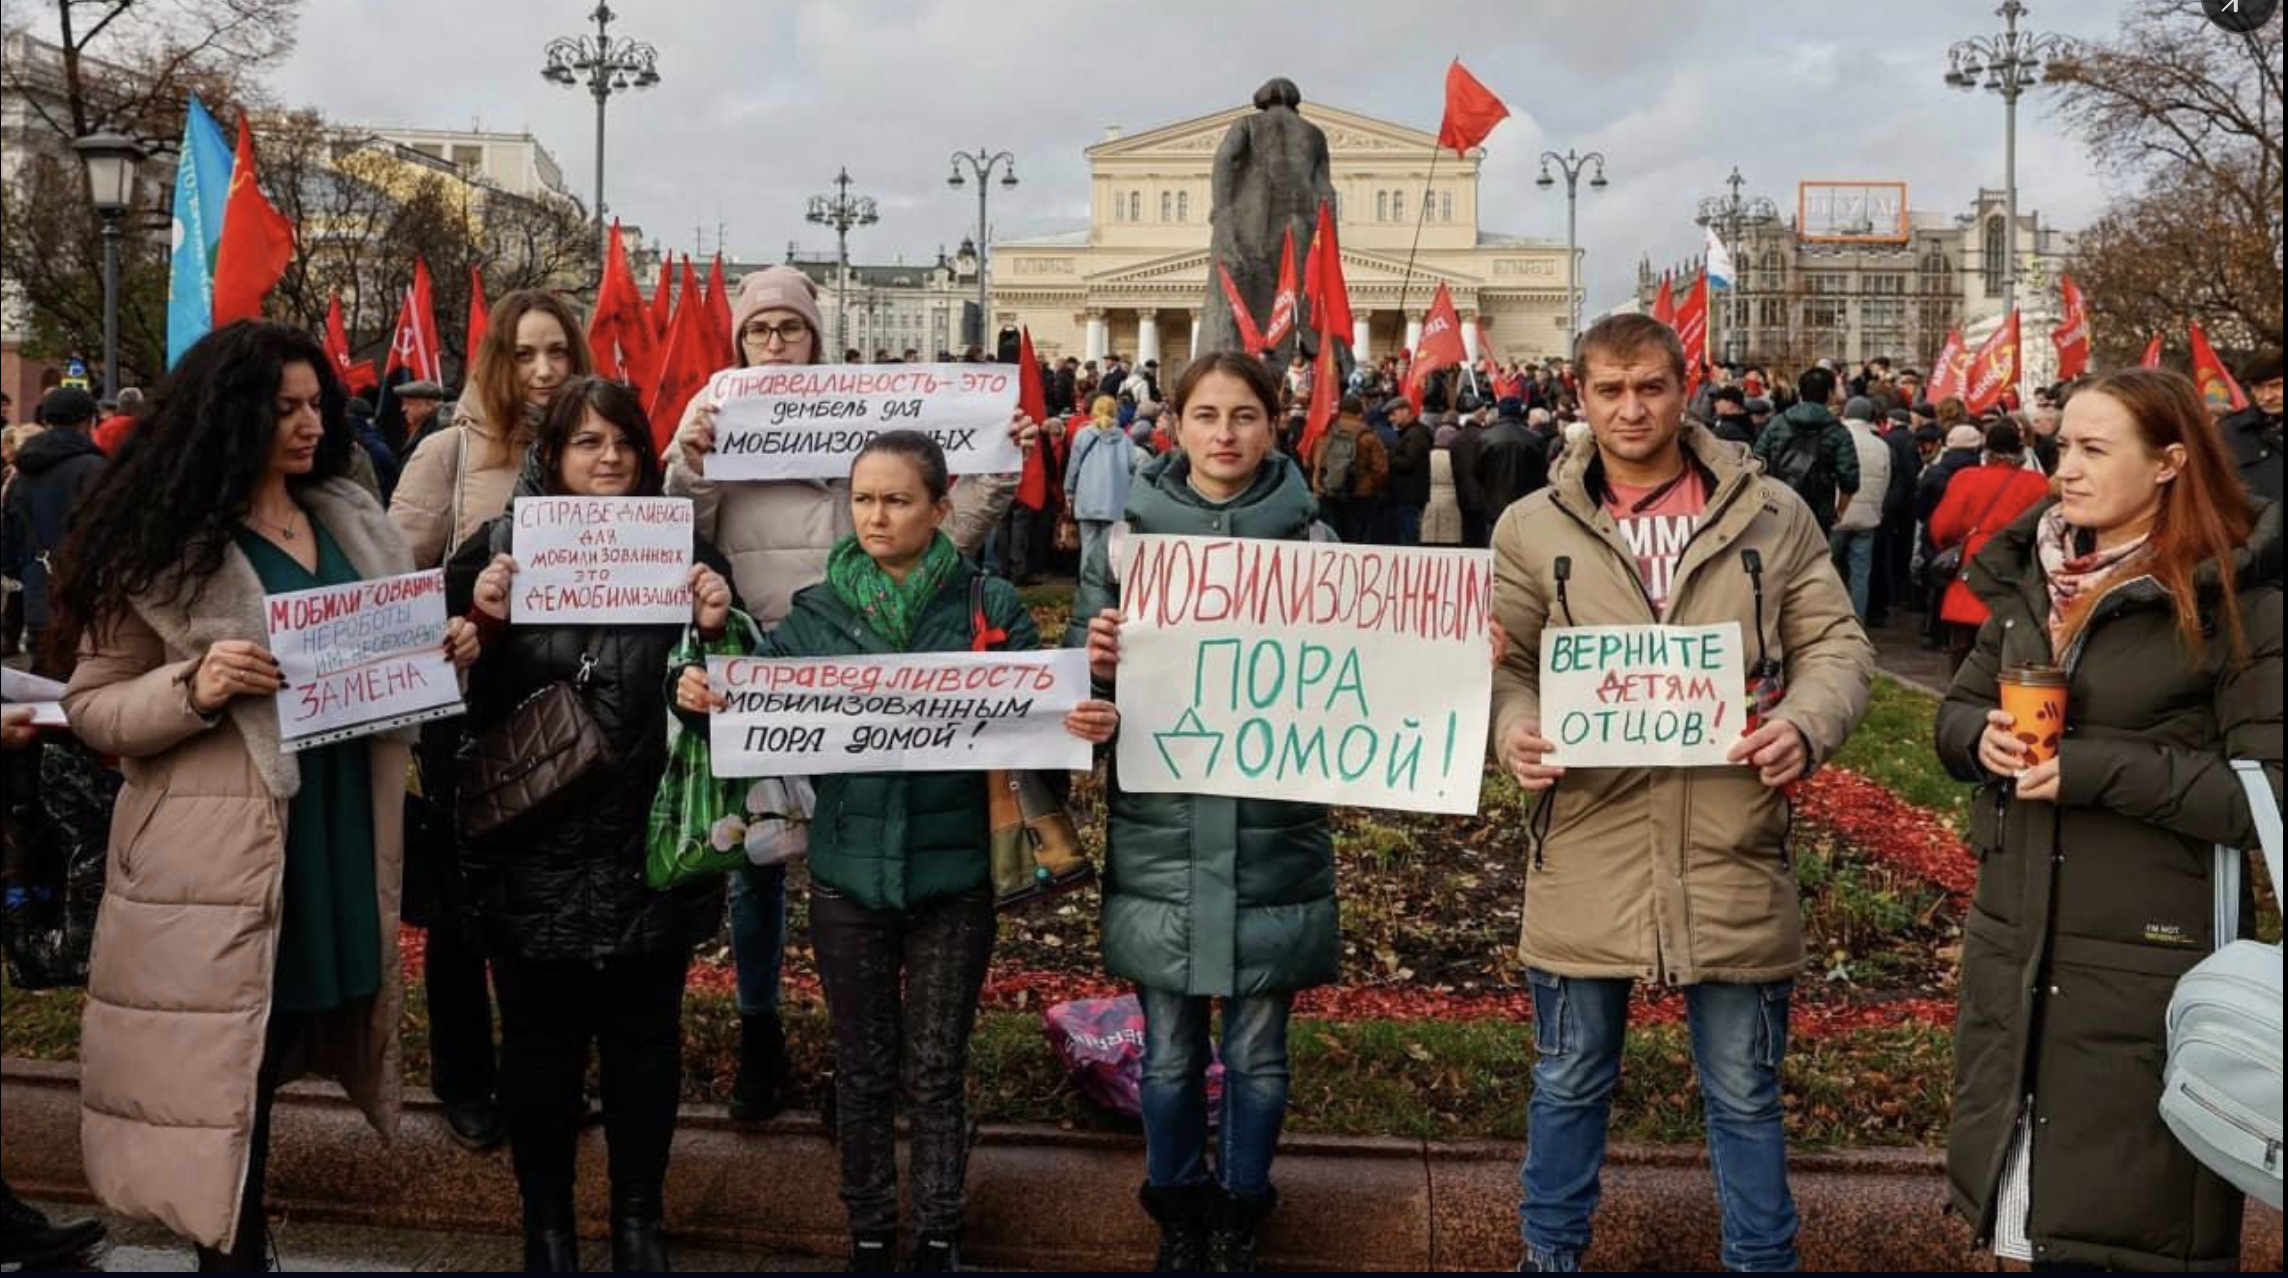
x=1673 y=875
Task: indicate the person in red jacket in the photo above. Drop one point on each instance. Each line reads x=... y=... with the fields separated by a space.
x=1980 y=502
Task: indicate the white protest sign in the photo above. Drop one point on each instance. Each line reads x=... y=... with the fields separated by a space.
x=920 y=712
x=1317 y=672
x=361 y=658
x=1642 y=696
x=806 y=421
x=601 y=560
x=44 y=697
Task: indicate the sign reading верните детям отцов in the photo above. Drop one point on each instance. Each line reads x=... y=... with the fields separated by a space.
x=806 y=421
x=1642 y=696
x=1315 y=672
x=361 y=658
x=916 y=712
x=601 y=560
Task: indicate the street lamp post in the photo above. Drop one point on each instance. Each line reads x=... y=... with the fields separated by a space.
x=111 y=160
x=1572 y=166
x=609 y=66
x=842 y=211
x=2008 y=63
x=1735 y=215
x=981 y=164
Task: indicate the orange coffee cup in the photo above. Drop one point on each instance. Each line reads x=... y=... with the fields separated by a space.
x=2035 y=699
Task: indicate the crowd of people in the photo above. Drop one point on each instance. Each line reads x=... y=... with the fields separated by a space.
x=248 y=932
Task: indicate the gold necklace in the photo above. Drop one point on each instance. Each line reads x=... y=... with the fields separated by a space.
x=286 y=528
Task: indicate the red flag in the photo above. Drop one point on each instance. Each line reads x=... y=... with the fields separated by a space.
x=1250 y=336
x=257 y=241
x=404 y=340
x=662 y=311
x=1440 y=347
x=1664 y=304
x=2071 y=336
x=2152 y=357
x=619 y=329
x=355 y=375
x=690 y=359
x=1472 y=111
x=1323 y=280
x=479 y=315
x=719 y=307
x=1033 y=399
x=2219 y=390
x=1489 y=357
x=1323 y=400
x=1994 y=369
x=1283 y=302
x=1691 y=326
x=1950 y=371
x=429 y=351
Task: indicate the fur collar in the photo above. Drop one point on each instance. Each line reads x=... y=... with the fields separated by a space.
x=232 y=609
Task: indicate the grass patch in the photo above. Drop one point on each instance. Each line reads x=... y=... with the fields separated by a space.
x=1894 y=746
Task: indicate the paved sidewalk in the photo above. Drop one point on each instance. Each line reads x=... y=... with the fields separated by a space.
x=139 y=1247
x=1899 y=651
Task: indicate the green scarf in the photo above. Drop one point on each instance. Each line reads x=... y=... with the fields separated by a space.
x=890 y=606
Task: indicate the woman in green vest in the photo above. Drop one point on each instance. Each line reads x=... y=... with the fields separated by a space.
x=1208 y=897
x=901 y=906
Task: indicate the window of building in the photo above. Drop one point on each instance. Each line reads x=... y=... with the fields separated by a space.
x=1398 y=206
x=1167 y=206
x=1825 y=314
x=1886 y=283
x=1183 y=206
x=1771 y=312
x=469 y=157
x=1997 y=255
x=1382 y=206
x=1135 y=206
x=1446 y=206
x=1883 y=313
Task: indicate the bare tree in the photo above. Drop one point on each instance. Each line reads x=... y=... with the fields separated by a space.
x=2187 y=119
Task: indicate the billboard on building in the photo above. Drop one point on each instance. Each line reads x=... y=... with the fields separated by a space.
x=1851 y=212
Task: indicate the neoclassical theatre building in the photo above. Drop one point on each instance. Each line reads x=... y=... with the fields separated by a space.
x=1134 y=280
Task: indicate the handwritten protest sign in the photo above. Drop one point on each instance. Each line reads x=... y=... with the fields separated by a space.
x=921 y=712
x=807 y=421
x=1331 y=674
x=361 y=658
x=600 y=560
x=1642 y=696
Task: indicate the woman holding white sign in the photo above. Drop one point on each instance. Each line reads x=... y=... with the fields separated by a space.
x=1208 y=897
x=248 y=932
x=900 y=886
x=581 y=948
x=778 y=535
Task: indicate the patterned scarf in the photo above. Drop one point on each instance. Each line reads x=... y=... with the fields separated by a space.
x=2076 y=580
x=890 y=606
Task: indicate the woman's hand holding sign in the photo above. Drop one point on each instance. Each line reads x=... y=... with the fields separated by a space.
x=1093 y=721
x=233 y=668
x=693 y=694
x=1104 y=645
x=710 y=600
x=491 y=593
x=695 y=435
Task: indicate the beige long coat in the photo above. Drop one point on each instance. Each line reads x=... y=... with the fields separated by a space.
x=185 y=942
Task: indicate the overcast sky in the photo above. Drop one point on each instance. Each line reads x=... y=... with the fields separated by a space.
x=761 y=103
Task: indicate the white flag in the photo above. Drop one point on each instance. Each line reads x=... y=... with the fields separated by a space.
x=1719 y=261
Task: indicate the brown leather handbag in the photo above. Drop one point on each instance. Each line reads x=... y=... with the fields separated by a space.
x=524 y=764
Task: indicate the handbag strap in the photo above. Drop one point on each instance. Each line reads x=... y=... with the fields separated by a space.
x=2229 y=860
x=460 y=477
x=2001 y=491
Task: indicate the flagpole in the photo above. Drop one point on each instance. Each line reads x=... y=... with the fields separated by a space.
x=1420 y=217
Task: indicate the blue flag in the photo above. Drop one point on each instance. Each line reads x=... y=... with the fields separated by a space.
x=202 y=191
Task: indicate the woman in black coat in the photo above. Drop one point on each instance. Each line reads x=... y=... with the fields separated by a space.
x=582 y=947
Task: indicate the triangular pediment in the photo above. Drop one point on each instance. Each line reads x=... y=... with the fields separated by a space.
x=1358 y=268
x=1348 y=134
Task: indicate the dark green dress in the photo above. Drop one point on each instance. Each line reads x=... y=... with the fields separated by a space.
x=329 y=930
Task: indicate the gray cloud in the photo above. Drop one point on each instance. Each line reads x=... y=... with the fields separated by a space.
x=762 y=103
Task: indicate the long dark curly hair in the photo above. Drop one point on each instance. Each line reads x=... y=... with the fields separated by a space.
x=161 y=514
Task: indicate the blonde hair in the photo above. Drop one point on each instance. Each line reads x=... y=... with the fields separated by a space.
x=1104 y=408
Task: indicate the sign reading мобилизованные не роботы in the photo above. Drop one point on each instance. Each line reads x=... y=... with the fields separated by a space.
x=806 y=421
x=1321 y=673
x=361 y=658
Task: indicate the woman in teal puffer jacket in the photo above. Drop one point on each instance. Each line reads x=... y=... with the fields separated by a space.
x=1209 y=897
x=901 y=902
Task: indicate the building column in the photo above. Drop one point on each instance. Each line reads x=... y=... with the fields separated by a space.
x=1195 y=339
x=1094 y=346
x=1147 y=336
x=1413 y=333
x=1470 y=335
x=1362 y=333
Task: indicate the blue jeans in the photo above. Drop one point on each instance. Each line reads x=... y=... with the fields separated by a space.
x=1739 y=1036
x=758 y=935
x=1855 y=559
x=1095 y=538
x=1175 y=1089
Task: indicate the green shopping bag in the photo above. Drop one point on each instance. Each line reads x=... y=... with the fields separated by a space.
x=703 y=825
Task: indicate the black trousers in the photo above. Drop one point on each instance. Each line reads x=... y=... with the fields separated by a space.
x=249 y=1248
x=461 y=1052
x=631 y=1009
x=901 y=989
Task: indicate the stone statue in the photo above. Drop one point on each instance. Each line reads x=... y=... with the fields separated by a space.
x=1270 y=175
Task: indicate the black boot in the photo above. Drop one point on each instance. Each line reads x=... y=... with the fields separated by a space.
x=937 y=1252
x=29 y=1241
x=874 y=1253
x=1182 y=1214
x=551 y=1241
x=638 y=1245
x=759 y=1092
x=1231 y=1235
